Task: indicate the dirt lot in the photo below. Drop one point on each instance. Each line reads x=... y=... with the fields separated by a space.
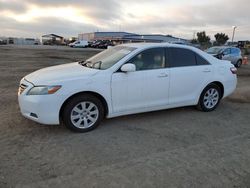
x=171 y=148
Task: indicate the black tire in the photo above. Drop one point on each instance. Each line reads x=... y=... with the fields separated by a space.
x=238 y=63
x=74 y=102
x=201 y=105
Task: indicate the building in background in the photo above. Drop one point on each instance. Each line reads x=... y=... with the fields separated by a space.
x=52 y=39
x=111 y=37
x=3 y=40
x=102 y=35
x=153 y=38
x=20 y=41
x=125 y=37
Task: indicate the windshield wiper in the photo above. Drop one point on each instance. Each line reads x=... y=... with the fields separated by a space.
x=98 y=62
x=89 y=64
x=85 y=63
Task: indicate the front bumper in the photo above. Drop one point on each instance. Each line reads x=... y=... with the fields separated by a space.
x=43 y=109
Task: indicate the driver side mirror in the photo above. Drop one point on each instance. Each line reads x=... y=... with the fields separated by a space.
x=225 y=53
x=129 y=67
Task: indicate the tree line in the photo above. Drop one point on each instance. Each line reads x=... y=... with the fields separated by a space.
x=204 y=40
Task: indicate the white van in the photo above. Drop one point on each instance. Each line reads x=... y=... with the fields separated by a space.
x=79 y=44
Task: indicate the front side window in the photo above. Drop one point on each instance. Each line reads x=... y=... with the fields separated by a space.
x=227 y=51
x=149 y=59
x=235 y=51
x=181 y=57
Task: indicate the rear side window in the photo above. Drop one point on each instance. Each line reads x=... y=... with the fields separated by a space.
x=181 y=57
x=235 y=51
x=200 y=60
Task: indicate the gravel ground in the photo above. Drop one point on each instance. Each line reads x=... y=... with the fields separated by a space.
x=180 y=147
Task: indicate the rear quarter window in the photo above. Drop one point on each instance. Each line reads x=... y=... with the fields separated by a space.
x=200 y=60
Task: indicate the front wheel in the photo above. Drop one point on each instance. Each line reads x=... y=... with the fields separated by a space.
x=83 y=113
x=210 y=98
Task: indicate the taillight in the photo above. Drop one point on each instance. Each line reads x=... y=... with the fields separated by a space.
x=233 y=70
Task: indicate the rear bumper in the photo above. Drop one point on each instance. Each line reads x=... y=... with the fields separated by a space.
x=230 y=86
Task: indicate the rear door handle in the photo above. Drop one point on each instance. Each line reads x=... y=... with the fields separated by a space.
x=162 y=75
x=206 y=70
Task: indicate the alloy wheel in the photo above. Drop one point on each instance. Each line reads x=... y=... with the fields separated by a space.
x=211 y=98
x=84 y=115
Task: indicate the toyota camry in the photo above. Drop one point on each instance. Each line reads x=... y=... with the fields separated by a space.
x=125 y=79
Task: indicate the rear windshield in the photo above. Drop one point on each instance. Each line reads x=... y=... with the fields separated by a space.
x=215 y=50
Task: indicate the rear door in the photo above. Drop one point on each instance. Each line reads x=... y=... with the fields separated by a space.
x=189 y=74
x=236 y=55
x=227 y=55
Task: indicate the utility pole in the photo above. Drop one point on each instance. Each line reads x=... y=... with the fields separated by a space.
x=234 y=27
x=194 y=34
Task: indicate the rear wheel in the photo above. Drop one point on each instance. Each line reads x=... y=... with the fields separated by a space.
x=83 y=113
x=210 y=98
x=238 y=64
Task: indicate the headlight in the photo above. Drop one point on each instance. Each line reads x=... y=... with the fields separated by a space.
x=43 y=90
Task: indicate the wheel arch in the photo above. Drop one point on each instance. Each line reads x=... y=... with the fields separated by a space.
x=220 y=85
x=99 y=96
x=200 y=104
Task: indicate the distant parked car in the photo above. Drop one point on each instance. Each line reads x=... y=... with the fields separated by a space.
x=90 y=43
x=95 y=44
x=125 y=79
x=232 y=44
x=243 y=44
x=232 y=54
x=79 y=44
x=3 y=42
x=104 y=44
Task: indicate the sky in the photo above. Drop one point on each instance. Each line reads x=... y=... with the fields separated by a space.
x=180 y=18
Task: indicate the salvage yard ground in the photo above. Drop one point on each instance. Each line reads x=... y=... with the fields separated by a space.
x=180 y=147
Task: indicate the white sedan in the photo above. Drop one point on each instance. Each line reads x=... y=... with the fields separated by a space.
x=126 y=79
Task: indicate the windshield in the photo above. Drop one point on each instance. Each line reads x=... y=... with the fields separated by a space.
x=108 y=58
x=215 y=50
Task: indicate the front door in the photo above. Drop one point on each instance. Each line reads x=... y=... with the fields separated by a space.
x=145 y=88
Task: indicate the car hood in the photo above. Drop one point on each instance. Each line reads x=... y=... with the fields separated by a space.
x=213 y=54
x=60 y=73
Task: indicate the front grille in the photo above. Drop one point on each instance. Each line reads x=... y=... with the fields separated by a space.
x=21 y=89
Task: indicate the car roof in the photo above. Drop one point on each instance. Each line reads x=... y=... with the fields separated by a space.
x=163 y=44
x=223 y=47
x=142 y=46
